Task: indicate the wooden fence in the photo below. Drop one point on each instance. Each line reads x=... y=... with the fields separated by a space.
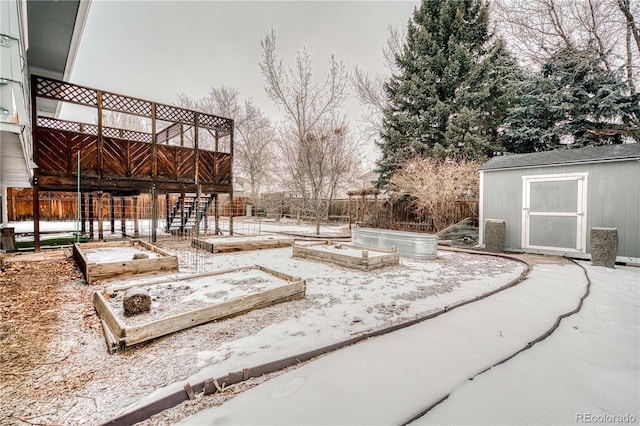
x=380 y=213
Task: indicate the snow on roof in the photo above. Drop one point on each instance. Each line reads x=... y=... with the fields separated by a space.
x=590 y=154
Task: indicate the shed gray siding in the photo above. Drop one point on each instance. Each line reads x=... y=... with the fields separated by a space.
x=613 y=200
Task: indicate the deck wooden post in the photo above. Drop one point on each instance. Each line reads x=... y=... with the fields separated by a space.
x=154 y=147
x=100 y=137
x=231 y=175
x=13 y=203
x=112 y=214
x=205 y=218
x=83 y=213
x=36 y=154
x=91 y=216
x=100 y=218
x=123 y=218
x=154 y=214
x=196 y=207
x=216 y=215
x=36 y=217
x=136 y=226
x=4 y=193
x=182 y=223
x=166 y=212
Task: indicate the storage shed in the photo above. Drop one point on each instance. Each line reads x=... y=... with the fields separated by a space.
x=551 y=200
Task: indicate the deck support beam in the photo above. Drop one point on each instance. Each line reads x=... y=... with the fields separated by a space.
x=83 y=213
x=112 y=214
x=100 y=217
x=123 y=218
x=231 y=172
x=36 y=218
x=91 y=216
x=136 y=226
x=166 y=212
x=154 y=214
x=216 y=215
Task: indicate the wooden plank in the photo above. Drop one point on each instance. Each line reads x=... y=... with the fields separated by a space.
x=101 y=271
x=102 y=244
x=189 y=391
x=307 y=252
x=110 y=340
x=226 y=247
x=153 y=248
x=81 y=261
x=278 y=274
x=106 y=314
x=142 y=333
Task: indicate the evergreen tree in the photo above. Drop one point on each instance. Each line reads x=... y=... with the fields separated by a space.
x=453 y=89
x=572 y=102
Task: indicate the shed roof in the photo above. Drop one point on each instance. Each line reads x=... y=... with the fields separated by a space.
x=591 y=154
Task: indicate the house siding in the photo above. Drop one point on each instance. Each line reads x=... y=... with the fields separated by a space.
x=613 y=200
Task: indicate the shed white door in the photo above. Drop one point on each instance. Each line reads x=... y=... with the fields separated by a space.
x=554 y=212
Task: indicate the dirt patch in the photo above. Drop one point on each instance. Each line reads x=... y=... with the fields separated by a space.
x=41 y=304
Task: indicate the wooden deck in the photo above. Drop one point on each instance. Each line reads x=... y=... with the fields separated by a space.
x=184 y=148
x=174 y=150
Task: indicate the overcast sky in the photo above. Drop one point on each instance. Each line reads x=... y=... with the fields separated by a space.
x=157 y=49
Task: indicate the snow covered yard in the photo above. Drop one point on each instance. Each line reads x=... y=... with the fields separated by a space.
x=117 y=254
x=177 y=297
x=340 y=303
x=586 y=372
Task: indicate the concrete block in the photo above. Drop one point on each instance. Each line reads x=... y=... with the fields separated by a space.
x=604 y=247
x=494 y=234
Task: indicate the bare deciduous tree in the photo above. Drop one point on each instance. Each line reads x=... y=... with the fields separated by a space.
x=315 y=148
x=435 y=188
x=316 y=167
x=305 y=103
x=121 y=120
x=537 y=28
x=254 y=133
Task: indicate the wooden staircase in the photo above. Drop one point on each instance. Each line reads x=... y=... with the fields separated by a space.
x=187 y=212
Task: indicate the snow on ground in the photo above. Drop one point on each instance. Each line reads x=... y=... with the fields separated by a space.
x=390 y=379
x=586 y=372
x=341 y=303
x=241 y=226
x=347 y=250
x=116 y=254
x=242 y=239
x=172 y=298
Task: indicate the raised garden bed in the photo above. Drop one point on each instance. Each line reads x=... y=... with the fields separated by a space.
x=105 y=260
x=347 y=255
x=188 y=301
x=229 y=244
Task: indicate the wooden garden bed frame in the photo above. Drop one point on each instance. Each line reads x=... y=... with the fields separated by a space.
x=94 y=271
x=229 y=246
x=365 y=262
x=120 y=336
